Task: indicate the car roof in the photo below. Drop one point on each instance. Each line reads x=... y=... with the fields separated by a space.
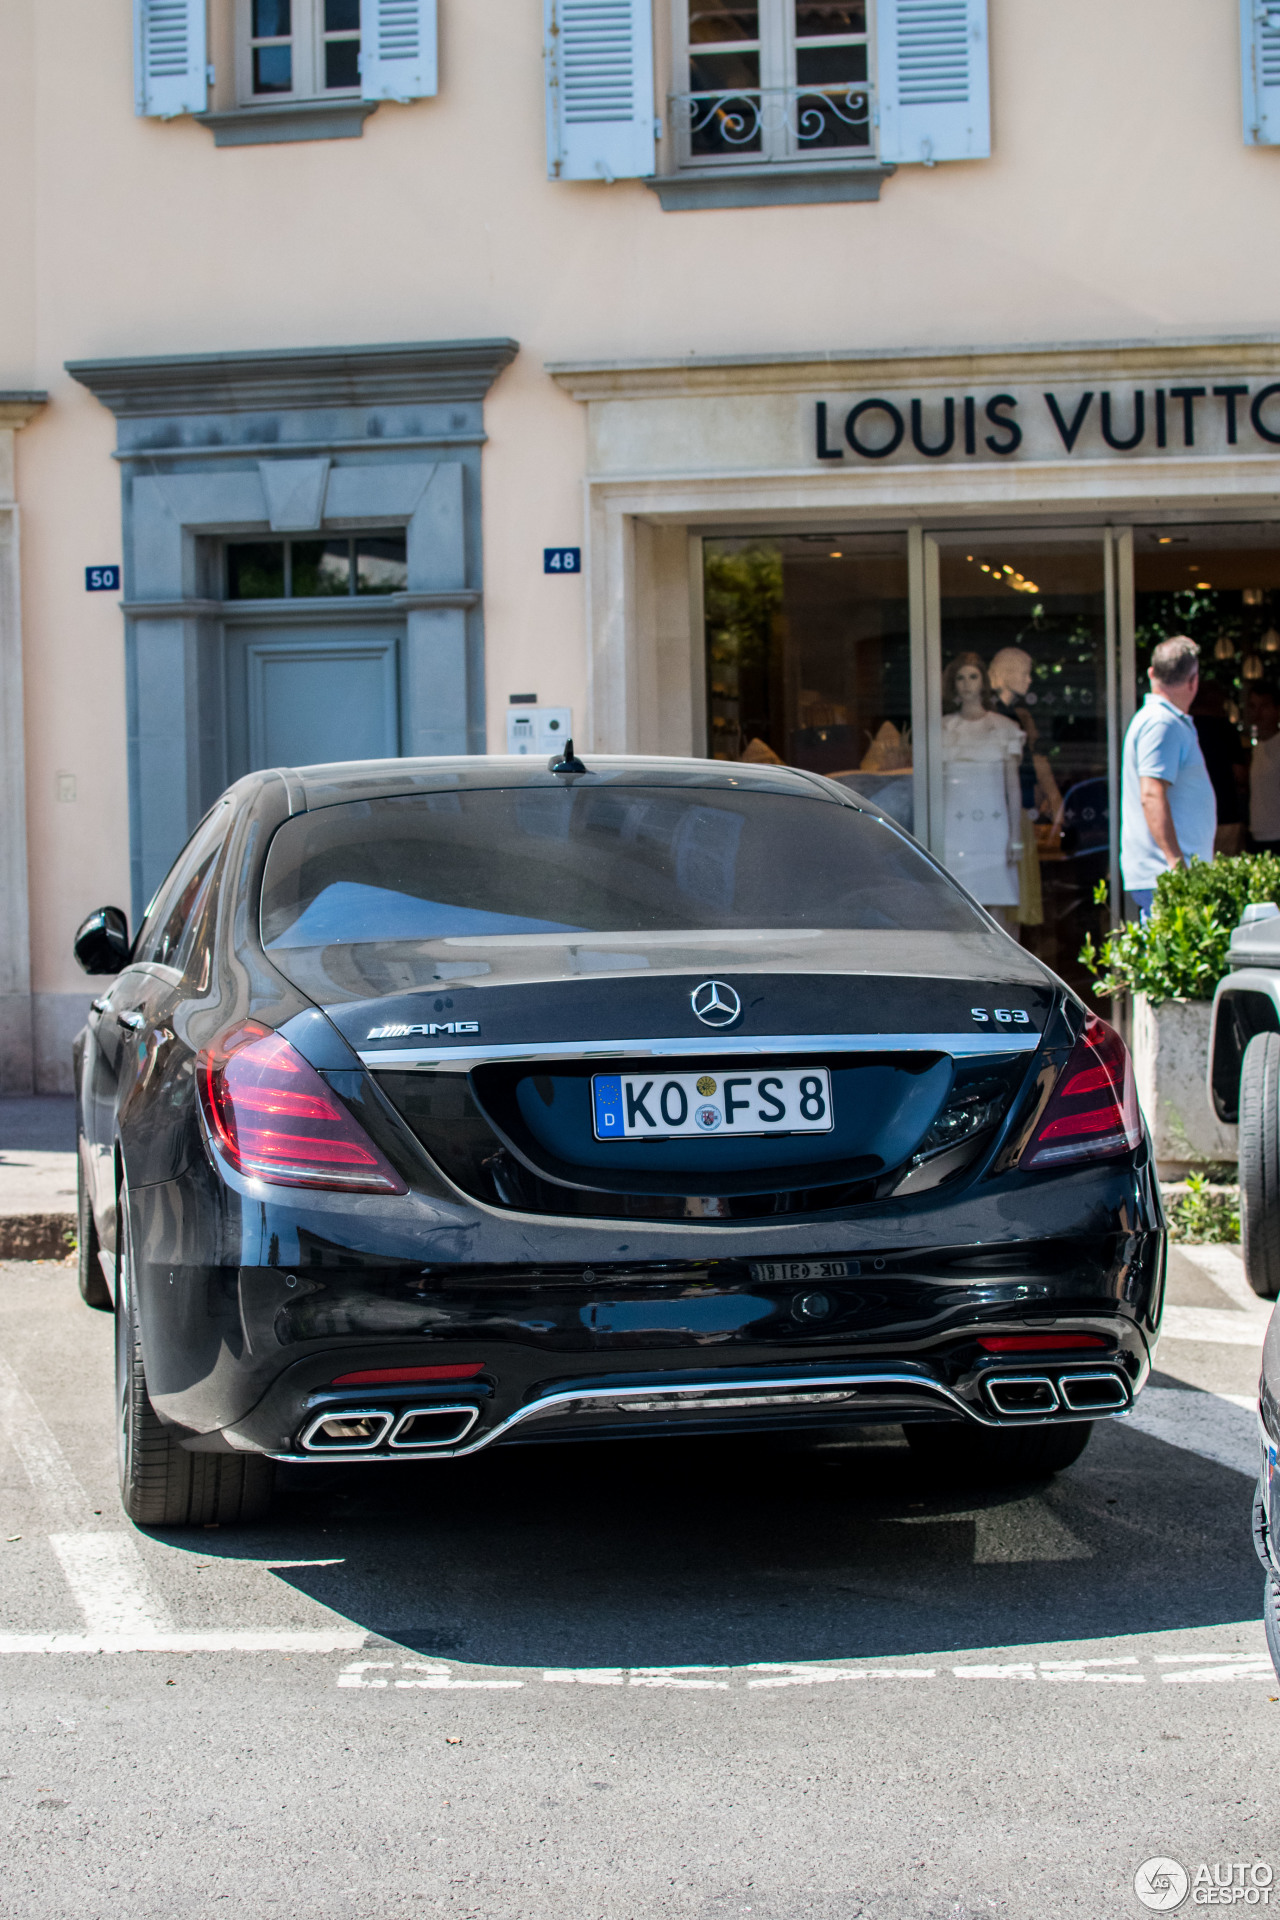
x=350 y=780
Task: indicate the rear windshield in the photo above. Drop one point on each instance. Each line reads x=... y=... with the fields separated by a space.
x=577 y=859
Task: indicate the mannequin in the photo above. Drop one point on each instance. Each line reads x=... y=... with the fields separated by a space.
x=1010 y=674
x=982 y=797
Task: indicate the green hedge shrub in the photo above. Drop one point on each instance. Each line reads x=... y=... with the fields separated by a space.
x=1181 y=951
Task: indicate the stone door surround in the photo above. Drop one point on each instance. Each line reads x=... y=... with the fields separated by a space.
x=294 y=440
x=16 y=1026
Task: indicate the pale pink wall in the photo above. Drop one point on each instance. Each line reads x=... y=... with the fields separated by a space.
x=1120 y=201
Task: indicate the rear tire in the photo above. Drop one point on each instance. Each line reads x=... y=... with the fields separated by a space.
x=1260 y=1164
x=94 y=1290
x=161 y=1483
x=1271 y=1618
x=998 y=1454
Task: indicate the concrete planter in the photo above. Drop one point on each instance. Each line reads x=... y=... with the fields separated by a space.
x=1170 y=1060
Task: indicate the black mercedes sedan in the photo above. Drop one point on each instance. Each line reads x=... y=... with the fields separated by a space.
x=444 y=1103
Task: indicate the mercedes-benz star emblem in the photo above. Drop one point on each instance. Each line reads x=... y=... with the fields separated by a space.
x=715 y=1004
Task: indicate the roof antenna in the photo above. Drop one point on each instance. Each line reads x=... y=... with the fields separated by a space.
x=566 y=762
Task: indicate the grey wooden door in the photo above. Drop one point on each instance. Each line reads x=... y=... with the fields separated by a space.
x=300 y=698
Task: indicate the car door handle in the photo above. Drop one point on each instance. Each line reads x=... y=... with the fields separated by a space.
x=98 y=1006
x=133 y=1020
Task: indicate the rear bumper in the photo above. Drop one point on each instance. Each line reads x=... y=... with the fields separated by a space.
x=526 y=1394
x=583 y=1332
x=726 y=1402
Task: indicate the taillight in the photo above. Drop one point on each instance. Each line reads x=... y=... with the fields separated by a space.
x=1093 y=1111
x=411 y=1376
x=273 y=1118
x=1038 y=1342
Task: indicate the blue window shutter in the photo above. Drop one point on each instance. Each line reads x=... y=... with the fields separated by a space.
x=1260 y=71
x=397 y=49
x=599 y=74
x=170 y=71
x=933 y=85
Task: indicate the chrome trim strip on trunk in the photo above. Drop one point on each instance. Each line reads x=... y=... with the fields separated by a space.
x=699 y=1048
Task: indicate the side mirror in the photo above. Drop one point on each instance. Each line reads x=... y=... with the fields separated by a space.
x=101 y=944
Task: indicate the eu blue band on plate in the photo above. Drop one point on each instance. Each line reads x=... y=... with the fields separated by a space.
x=606 y=1089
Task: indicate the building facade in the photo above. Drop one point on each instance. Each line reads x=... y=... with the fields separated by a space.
x=726 y=377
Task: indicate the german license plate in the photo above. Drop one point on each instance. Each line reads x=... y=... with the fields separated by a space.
x=663 y=1106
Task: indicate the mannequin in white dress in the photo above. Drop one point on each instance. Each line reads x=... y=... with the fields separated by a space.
x=982 y=800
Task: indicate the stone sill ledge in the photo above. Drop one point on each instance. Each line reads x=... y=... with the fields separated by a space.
x=767 y=186
x=291 y=120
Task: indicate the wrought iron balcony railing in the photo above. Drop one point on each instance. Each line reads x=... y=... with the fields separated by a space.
x=741 y=120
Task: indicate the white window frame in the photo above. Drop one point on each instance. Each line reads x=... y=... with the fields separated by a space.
x=780 y=144
x=307 y=40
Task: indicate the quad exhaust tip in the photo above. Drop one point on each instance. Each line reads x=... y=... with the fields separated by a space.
x=357 y=1430
x=1094 y=1392
x=1022 y=1393
x=420 y=1427
x=1035 y=1395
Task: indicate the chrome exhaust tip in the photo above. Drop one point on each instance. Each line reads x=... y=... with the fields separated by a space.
x=347 y=1430
x=431 y=1427
x=1022 y=1395
x=1094 y=1392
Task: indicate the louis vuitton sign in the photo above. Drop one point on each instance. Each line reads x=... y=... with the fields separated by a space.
x=1062 y=424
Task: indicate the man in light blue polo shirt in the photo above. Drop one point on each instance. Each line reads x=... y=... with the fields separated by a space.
x=1168 y=814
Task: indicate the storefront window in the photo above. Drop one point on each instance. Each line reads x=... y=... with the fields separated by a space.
x=1024 y=779
x=808 y=657
x=1221 y=585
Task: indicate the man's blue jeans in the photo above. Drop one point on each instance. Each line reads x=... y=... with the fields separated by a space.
x=1142 y=898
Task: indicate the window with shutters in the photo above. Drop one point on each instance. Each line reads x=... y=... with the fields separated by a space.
x=1260 y=57
x=783 y=101
x=773 y=81
x=298 y=50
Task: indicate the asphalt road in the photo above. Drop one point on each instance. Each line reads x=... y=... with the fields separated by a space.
x=780 y=1678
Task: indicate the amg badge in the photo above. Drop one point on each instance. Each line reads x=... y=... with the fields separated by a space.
x=429 y=1029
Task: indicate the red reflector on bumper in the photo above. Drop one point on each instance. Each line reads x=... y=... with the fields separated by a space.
x=409 y=1376
x=1038 y=1342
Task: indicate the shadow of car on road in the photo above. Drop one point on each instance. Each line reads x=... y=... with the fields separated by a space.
x=781 y=1548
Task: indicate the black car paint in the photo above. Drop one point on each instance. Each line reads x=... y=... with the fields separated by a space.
x=253 y=1298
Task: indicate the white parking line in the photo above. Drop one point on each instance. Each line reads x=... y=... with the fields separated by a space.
x=1219 y=1326
x=66 y=1505
x=435 y=1676
x=682 y=1677
x=1118 y=1670
x=1054 y=1670
x=798 y=1675
x=104 y=1572
x=1225 y=1666
x=1210 y=1424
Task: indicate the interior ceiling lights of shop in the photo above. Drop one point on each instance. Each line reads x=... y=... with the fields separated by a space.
x=1005 y=576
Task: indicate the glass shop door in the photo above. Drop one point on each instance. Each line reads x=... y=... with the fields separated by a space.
x=1022 y=725
x=812 y=659
x=1221 y=585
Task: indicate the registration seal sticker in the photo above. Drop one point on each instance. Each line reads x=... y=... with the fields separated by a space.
x=708 y=1117
x=706 y=1085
